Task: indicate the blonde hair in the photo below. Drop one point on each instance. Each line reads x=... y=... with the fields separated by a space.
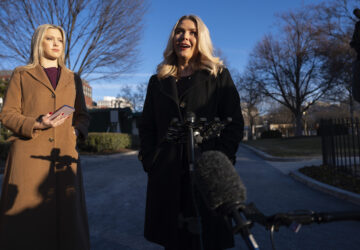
x=37 y=50
x=205 y=58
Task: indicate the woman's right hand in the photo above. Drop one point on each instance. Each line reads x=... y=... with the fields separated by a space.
x=44 y=122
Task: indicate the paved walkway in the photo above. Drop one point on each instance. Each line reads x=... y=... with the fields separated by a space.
x=272 y=191
x=116 y=187
x=290 y=166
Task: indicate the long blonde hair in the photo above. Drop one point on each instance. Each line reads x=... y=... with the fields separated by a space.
x=205 y=58
x=37 y=50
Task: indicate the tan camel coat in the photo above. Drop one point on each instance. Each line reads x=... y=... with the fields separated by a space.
x=42 y=204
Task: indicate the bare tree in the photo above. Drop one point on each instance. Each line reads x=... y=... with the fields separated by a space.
x=250 y=96
x=279 y=114
x=288 y=68
x=102 y=36
x=135 y=94
x=336 y=24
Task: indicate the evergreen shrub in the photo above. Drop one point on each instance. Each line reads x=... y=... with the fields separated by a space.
x=271 y=134
x=108 y=142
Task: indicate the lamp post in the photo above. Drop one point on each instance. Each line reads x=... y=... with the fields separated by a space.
x=305 y=124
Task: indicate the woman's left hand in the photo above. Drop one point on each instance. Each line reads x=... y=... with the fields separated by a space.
x=44 y=122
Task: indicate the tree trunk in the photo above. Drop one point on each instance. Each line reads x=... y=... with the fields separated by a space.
x=250 y=134
x=298 y=125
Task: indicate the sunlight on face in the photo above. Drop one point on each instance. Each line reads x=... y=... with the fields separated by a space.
x=52 y=44
x=185 y=40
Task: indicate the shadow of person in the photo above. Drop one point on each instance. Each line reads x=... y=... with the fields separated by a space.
x=54 y=223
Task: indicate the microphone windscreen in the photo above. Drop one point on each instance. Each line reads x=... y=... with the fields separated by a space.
x=218 y=181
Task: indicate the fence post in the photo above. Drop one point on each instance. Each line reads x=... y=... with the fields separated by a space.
x=323 y=141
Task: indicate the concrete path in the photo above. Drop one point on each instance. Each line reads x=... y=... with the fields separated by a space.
x=115 y=192
x=274 y=192
x=115 y=195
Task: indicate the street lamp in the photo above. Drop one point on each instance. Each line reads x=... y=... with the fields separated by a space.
x=305 y=125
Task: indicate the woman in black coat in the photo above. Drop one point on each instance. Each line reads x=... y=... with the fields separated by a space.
x=190 y=79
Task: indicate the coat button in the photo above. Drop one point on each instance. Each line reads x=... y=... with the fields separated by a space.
x=182 y=105
x=51 y=139
x=52 y=95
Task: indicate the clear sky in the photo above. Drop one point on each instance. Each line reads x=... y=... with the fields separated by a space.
x=235 y=27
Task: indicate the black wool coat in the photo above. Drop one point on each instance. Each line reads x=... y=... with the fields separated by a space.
x=208 y=97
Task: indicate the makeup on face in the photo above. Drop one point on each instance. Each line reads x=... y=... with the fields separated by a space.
x=185 y=40
x=52 y=44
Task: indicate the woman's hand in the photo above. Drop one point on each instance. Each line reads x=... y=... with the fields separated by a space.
x=44 y=121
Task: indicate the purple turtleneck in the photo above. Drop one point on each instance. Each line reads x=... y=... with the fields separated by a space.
x=53 y=74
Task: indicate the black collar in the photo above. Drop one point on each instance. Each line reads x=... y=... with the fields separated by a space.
x=168 y=85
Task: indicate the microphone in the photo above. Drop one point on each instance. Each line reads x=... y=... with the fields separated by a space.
x=223 y=190
x=218 y=182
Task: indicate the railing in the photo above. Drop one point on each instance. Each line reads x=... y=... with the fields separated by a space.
x=341 y=144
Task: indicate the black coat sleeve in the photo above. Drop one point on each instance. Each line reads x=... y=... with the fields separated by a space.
x=81 y=118
x=229 y=106
x=147 y=128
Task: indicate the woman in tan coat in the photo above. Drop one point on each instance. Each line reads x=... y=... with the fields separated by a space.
x=42 y=203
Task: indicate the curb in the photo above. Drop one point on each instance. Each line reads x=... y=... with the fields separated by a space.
x=132 y=152
x=337 y=192
x=268 y=157
x=310 y=182
x=103 y=158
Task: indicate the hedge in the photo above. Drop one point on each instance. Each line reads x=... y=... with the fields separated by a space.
x=271 y=134
x=108 y=142
x=4 y=134
x=95 y=143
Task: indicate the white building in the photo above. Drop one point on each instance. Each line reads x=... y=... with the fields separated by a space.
x=114 y=102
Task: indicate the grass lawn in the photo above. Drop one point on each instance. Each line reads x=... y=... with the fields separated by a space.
x=289 y=147
x=329 y=176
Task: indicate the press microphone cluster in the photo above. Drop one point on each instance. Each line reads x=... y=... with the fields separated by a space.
x=224 y=192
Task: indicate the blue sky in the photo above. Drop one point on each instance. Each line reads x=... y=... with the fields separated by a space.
x=235 y=28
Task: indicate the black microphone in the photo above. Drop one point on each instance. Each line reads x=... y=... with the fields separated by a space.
x=223 y=190
x=218 y=182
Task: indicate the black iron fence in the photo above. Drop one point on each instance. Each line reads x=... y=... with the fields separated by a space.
x=341 y=144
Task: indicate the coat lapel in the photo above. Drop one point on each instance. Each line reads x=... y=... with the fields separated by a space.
x=168 y=88
x=66 y=78
x=39 y=74
x=168 y=85
x=198 y=78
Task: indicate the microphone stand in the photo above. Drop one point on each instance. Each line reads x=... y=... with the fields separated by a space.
x=193 y=133
x=243 y=228
x=190 y=122
x=190 y=119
